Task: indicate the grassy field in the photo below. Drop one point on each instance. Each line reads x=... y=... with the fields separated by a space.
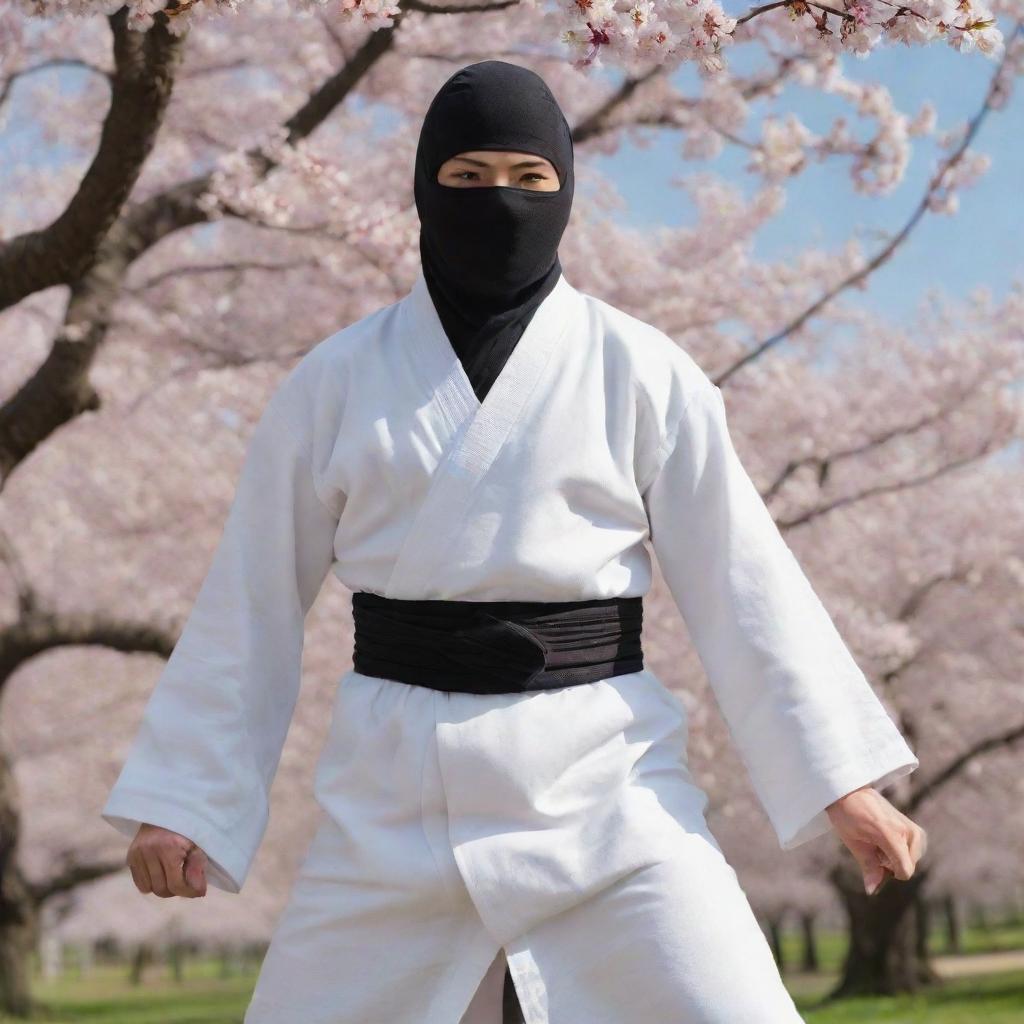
x=989 y=999
x=103 y=995
x=832 y=945
x=984 y=999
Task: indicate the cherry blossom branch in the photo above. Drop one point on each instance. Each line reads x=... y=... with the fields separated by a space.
x=60 y=389
x=990 y=444
x=11 y=560
x=999 y=741
x=665 y=32
x=55 y=62
x=599 y=122
x=321 y=230
x=235 y=266
x=823 y=463
x=797 y=5
x=912 y=605
x=596 y=122
x=471 y=56
x=201 y=134
x=40 y=631
x=914 y=601
x=886 y=251
x=419 y=5
x=284 y=357
x=214 y=69
x=70 y=877
x=148 y=222
x=146 y=65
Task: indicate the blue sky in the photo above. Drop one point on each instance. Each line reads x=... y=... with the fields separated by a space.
x=980 y=246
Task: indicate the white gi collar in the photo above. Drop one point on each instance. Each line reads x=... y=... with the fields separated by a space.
x=478 y=430
x=444 y=372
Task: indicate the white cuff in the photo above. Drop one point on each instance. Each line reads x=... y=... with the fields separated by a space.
x=227 y=864
x=805 y=816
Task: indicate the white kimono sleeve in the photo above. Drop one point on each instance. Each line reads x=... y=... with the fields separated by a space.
x=212 y=732
x=804 y=718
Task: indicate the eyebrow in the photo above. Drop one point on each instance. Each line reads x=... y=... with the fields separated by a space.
x=482 y=163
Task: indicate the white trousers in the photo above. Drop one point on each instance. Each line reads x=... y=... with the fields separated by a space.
x=559 y=830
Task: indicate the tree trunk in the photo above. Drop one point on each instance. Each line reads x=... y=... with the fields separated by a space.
x=951 y=917
x=809 y=960
x=18 y=924
x=884 y=957
x=176 y=954
x=140 y=959
x=979 y=917
x=922 y=924
x=224 y=960
x=1010 y=912
x=775 y=940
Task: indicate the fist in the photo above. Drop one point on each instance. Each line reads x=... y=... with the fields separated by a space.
x=883 y=840
x=166 y=863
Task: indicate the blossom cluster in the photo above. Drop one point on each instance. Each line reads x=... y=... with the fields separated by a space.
x=641 y=33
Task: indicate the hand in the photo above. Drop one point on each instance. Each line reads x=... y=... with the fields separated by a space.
x=166 y=863
x=883 y=841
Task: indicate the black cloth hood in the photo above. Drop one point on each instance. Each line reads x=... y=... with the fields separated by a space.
x=490 y=254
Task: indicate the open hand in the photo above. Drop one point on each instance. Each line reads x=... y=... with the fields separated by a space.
x=883 y=841
x=166 y=863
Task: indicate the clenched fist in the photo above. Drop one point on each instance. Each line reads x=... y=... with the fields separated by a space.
x=884 y=841
x=166 y=863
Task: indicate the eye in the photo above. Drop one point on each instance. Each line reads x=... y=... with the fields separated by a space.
x=461 y=174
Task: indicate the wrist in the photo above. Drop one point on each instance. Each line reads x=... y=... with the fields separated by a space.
x=846 y=796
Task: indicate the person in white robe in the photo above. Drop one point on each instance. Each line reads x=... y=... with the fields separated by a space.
x=557 y=834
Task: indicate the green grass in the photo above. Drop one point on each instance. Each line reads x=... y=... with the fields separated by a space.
x=990 y=940
x=106 y=996
x=832 y=945
x=988 y=999
x=985 y=999
x=103 y=996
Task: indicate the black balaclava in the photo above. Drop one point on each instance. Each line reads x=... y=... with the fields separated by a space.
x=490 y=254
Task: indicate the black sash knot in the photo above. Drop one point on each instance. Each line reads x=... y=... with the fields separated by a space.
x=496 y=646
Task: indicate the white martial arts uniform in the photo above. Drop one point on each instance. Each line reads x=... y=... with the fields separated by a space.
x=560 y=828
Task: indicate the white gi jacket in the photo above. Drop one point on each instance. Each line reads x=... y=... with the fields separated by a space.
x=600 y=440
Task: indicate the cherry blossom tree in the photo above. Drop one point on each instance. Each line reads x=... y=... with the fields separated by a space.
x=906 y=511
x=207 y=184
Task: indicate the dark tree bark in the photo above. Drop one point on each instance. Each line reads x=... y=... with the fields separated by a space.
x=809 y=959
x=224 y=967
x=951 y=919
x=18 y=920
x=884 y=957
x=119 y=232
x=979 y=917
x=141 y=958
x=176 y=958
x=922 y=923
x=39 y=629
x=21 y=900
x=775 y=940
x=145 y=64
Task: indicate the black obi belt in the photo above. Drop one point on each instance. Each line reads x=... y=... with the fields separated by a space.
x=496 y=646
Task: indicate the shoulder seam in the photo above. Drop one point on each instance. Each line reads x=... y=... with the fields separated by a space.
x=306 y=451
x=668 y=445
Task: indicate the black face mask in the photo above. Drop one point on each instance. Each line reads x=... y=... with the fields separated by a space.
x=490 y=254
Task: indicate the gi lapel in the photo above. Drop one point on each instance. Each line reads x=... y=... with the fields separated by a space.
x=479 y=429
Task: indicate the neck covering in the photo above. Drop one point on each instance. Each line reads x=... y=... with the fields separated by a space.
x=490 y=253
